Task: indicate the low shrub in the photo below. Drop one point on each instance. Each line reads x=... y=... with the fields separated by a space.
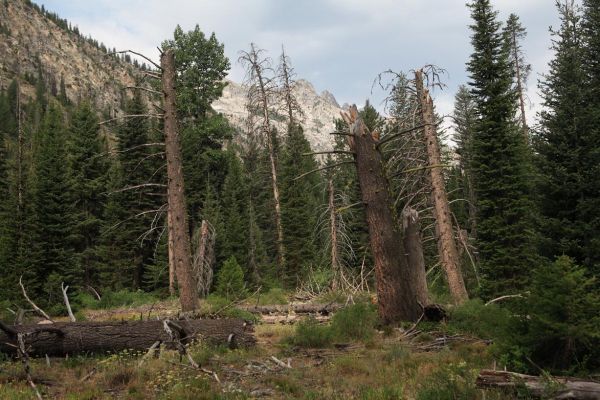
x=475 y=318
x=356 y=322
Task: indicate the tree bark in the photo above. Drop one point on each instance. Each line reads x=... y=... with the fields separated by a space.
x=172 y=291
x=411 y=228
x=175 y=189
x=441 y=210
x=61 y=339
x=397 y=299
x=555 y=388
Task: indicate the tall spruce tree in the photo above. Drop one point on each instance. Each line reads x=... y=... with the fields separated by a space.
x=567 y=148
x=88 y=172
x=299 y=200
x=590 y=203
x=500 y=168
x=50 y=214
x=136 y=195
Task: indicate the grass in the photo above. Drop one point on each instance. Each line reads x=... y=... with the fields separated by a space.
x=381 y=367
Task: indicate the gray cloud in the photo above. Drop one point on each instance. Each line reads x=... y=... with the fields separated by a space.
x=339 y=45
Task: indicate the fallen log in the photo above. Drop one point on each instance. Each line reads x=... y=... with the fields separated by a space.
x=61 y=339
x=558 y=388
x=300 y=308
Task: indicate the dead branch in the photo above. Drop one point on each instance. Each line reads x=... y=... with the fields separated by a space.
x=322 y=168
x=159 y=116
x=143 y=88
x=137 y=54
x=328 y=152
x=508 y=296
x=138 y=187
x=64 y=289
x=35 y=307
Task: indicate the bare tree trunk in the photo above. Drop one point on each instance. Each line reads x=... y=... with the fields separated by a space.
x=446 y=243
x=266 y=128
x=335 y=258
x=397 y=298
x=260 y=98
x=175 y=189
x=203 y=259
x=411 y=229
x=170 y=251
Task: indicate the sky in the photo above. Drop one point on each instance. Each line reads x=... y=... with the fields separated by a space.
x=338 y=45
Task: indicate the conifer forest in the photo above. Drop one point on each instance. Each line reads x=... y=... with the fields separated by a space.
x=166 y=233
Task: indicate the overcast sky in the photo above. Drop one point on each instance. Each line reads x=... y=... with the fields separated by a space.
x=338 y=45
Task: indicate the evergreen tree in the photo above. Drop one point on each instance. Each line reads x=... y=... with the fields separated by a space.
x=50 y=223
x=88 y=172
x=234 y=199
x=137 y=195
x=464 y=124
x=590 y=136
x=300 y=198
x=230 y=280
x=567 y=147
x=499 y=161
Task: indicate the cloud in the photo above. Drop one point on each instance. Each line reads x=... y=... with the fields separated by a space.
x=340 y=45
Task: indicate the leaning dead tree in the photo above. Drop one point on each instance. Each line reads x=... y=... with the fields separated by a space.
x=441 y=210
x=397 y=297
x=178 y=232
x=261 y=90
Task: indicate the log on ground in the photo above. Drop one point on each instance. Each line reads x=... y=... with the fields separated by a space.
x=300 y=308
x=542 y=387
x=61 y=339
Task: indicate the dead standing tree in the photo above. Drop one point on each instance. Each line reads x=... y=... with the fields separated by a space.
x=261 y=90
x=287 y=83
x=179 y=236
x=397 y=297
x=445 y=234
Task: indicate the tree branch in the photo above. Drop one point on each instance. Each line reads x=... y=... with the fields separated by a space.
x=131 y=116
x=35 y=307
x=322 y=168
x=137 y=54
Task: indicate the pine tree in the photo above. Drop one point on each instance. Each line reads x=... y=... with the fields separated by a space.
x=300 y=198
x=50 y=223
x=590 y=203
x=88 y=171
x=566 y=147
x=464 y=124
x=499 y=161
x=234 y=199
x=135 y=199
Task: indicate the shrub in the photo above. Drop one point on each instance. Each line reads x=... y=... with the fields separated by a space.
x=474 y=317
x=309 y=333
x=230 y=280
x=356 y=322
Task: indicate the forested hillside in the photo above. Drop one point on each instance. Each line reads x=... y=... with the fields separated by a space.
x=374 y=239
